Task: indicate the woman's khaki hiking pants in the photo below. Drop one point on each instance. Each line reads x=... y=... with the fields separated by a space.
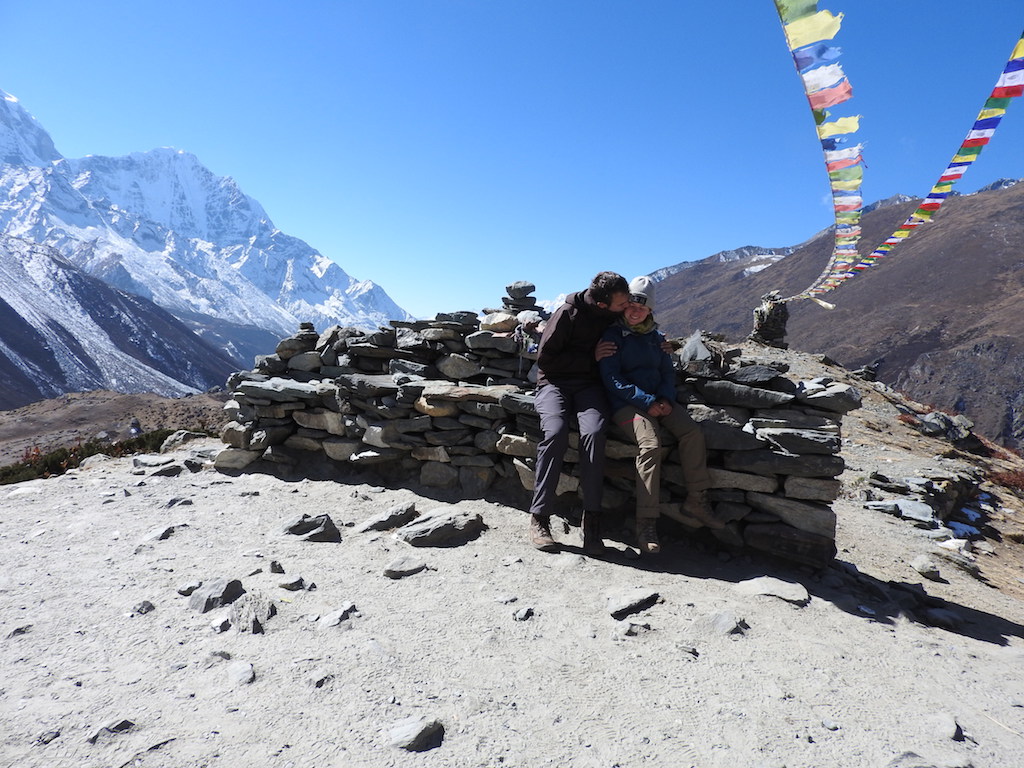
x=648 y=433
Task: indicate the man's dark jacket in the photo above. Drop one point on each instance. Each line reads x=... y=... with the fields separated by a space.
x=567 y=345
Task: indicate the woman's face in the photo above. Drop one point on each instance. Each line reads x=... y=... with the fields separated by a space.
x=636 y=313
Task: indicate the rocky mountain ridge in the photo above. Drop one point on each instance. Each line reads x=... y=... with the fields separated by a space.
x=62 y=330
x=940 y=316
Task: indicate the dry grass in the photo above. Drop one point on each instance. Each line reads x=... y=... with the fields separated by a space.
x=1011 y=479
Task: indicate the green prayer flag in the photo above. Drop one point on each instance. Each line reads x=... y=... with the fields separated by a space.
x=997 y=103
x=969 y=151
x=853 y=173
x=790 y=10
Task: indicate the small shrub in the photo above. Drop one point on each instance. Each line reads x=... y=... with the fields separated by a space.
x=1012 y=479
x=35 y=464
x=906 y=418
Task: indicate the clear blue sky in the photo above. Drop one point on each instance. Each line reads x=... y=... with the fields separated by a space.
x=444 y=148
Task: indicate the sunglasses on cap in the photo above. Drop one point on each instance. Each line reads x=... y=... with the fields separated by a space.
x=638 y=298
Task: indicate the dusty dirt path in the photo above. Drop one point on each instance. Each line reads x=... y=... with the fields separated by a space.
x=845 y=680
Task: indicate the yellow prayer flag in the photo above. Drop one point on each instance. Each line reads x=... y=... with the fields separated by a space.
x=849 y=186
x=902 y=233
x=987 y=113
x=1018 y=50
x=941 y=188
x=842 y=125
x=810 y=29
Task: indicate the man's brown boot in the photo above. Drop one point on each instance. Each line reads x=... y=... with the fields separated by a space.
x=540 y=534
x=698 y=507
x=592 y=542
x=647 y=535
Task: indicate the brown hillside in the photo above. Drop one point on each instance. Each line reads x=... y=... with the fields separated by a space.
x=943 y=311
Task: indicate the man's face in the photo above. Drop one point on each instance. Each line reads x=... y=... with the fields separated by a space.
x=618 y=302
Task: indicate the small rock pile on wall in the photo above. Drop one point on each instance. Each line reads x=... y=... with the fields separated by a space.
x=448 y=402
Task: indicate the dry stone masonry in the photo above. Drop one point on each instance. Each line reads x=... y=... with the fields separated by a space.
x=449 y=402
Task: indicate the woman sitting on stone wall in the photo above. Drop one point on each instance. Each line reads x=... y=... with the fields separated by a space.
x=641 y=385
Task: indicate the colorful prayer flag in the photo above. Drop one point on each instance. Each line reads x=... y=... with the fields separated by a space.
x=1011 y=78
x=994 y=102
x=842 y=125
x=791 y=10
x=810 y=29
x=840 y=164
x=843 y=154
x=987 y=113
x=814 y=55
x=822 y=77
x=829 y=97
x=1010 y=91
x=846 y=174
x=986 y=124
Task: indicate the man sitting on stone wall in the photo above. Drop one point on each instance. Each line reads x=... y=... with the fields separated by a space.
x=569 y=384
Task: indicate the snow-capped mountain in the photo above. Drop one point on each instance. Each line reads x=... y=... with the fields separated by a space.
x=759 y=257
x=161 y=225
x=62 y=330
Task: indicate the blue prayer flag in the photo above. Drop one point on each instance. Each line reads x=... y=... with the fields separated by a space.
x=815 y=54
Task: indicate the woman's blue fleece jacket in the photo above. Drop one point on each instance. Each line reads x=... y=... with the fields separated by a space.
x=640 y=372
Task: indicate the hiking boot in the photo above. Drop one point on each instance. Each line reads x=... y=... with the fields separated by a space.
x=540 y=534
x=647 y=535
x=592 y=543
x=697 y=507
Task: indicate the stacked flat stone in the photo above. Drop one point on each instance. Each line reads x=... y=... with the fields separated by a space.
x=447 y=403
x=518 y=307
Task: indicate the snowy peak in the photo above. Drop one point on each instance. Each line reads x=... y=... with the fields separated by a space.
x=22 y=140
x=998 y=184
x=161 y=225
x=759 y=257
x=885 y=202
x=172 y=188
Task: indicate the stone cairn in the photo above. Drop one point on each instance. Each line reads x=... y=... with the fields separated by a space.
x=449 y=402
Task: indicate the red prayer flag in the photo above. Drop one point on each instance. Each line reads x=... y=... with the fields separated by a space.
x=976 y=142
x=929 y=206
x=1008 y=91
x=829 y=97
x=839 y=164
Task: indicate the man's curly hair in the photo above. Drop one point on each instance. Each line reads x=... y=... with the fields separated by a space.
x=605 y=284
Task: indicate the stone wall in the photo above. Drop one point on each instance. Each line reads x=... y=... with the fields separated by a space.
x=448 y=403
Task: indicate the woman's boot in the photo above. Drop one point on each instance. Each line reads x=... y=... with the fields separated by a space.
x=647 y=535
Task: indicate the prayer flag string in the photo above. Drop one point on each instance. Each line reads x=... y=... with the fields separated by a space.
x=807 y=31
x=1009 y=85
